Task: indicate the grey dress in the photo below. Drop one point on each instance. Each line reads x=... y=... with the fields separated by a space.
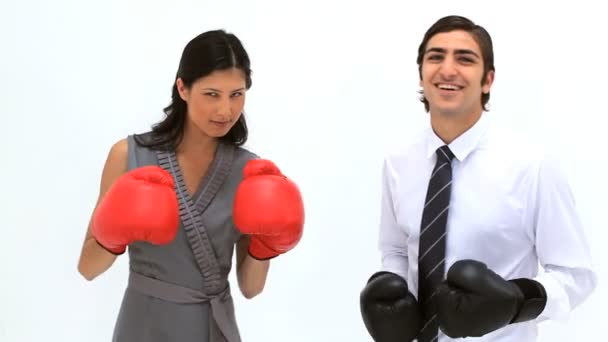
x=180 y=292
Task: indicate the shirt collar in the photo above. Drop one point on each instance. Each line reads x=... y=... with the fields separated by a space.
x=463 y=145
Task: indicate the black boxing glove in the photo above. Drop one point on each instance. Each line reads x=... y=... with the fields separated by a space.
x=474 y=301
x=390 y=312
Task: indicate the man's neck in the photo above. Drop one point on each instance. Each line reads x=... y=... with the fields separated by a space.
x=448 y=127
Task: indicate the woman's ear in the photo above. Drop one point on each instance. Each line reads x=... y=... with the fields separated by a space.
x=183 y=91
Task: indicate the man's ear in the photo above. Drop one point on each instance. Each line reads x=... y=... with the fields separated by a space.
x=489 y=80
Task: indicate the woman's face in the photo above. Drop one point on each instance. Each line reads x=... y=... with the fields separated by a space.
x=215 y=102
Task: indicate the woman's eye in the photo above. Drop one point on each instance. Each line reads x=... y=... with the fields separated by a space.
x=238 y=93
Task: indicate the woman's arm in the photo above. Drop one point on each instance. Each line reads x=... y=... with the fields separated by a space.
x=251 y=273
x=94 y=259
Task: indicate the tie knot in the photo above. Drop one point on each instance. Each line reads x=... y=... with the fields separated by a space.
x=444 y=153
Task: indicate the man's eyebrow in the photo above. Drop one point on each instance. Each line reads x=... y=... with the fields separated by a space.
x=466 y=52
x=435 y=49
x=457 y=51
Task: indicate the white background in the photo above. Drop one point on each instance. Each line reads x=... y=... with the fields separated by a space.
x=334 y=86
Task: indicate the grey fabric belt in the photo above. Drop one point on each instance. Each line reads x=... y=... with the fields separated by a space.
x=222 y=306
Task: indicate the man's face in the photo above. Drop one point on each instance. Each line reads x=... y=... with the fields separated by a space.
x=452 y=71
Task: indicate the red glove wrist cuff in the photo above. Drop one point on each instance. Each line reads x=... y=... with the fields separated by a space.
x=258 y=250
x=115 y=250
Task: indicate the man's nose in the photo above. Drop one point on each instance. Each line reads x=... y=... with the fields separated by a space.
x=448 y=68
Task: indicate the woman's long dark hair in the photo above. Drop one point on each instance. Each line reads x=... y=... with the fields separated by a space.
x=206 y=53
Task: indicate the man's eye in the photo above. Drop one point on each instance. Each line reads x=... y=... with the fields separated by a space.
x=212 y=94
x=237 y=94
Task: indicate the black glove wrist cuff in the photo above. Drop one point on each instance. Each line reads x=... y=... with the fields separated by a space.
x=377 y=274
x=535 y=299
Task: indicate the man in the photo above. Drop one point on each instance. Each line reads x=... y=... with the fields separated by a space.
x=469 y=213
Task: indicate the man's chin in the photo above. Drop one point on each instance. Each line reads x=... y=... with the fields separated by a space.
x=447 y=111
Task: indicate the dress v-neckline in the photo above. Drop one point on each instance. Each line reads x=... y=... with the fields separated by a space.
x=203 y=180
x=210 y=182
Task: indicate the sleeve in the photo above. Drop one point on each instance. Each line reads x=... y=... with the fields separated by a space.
x=132 y=161
x=561 y=245
x=393 y=239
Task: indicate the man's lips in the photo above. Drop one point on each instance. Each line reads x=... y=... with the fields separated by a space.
x=448 y=86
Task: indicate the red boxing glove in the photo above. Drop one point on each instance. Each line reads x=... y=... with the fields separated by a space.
x=140 y=206
x=268 y=207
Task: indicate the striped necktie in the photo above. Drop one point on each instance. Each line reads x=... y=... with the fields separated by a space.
x=431 y=260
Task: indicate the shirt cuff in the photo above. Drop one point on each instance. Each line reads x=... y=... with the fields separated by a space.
x=395 y=264
x=558 y=303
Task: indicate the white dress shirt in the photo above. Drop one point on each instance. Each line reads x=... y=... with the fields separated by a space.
x=511 y=208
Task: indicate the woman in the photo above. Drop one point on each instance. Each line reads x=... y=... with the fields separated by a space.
x=182 y=196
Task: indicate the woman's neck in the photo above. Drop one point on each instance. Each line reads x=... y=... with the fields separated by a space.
x=196 y=143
